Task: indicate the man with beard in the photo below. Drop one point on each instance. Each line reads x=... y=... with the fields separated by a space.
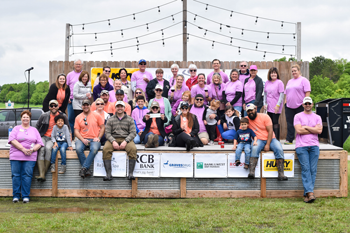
x=198 y=109
x=120 y=133
x=45 y=125
x=105 y=96
x=89 y=128
x=119 y=95
x=261 y=124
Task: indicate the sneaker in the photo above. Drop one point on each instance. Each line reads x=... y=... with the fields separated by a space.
x=288 y=143
x=211 y=143
x=237 y=163
x=15 y=200
x=82 y=172
x=88 y=173
x=246 y=166
x=62 y=169
x=53 y=168
x=26 y=200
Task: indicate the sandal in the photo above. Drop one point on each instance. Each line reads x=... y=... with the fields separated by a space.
x=237 y=163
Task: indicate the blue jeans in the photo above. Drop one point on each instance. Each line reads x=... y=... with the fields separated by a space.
x=62 y=146
x=275 y=146
x=137 y=139
x=238 y=108
x=71 y=116
x=229 y=134
x=240 y=147
x=80 y=147
x=22 y=173
x=160 y=139
x=308 y=158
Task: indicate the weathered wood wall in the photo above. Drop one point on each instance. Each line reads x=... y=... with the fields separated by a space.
x=57 y=67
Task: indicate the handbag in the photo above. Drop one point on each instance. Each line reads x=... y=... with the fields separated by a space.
x=168 y=129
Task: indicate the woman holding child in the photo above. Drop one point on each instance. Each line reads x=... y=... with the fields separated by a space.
x=175 y=92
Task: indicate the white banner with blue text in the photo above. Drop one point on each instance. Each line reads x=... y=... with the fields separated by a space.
x=176 y=165
x=147 y=165
x=119 y=160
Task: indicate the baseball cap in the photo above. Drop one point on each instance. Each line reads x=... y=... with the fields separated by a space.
x=199 y=95
x=86 y=102
x=53 y=102
x=253 y=67
x=155 y=104
x=119 y=92
x=105 y=92
x=158 y=87
x=307 y=100
x=142 y=60
x=119 y=103
x=249 y=107
x=185 y=104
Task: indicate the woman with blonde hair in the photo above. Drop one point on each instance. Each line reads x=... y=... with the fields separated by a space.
x=176 y=91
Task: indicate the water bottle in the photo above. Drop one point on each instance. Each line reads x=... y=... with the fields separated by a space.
x=10 y=130
x=9 y=103
x=166 y=143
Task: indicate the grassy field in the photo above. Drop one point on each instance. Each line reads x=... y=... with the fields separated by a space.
x=175 y=215
x=3 y=105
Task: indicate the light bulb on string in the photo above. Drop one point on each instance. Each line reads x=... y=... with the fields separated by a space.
x=205 y=33
x=85 y=48
x=163 y=43
x=162 y=33
x=242 y=32
x=231 y=14
x=195 y=16
x=282 y=25
x=109 y=23
x=268 y=36
x=239 y=50
x=282 y=48
x=158 y=10
x=264 y=55
x=147 y=27
x=83 y=27
x=206 y=8
x=256 y=20
x=294 y=36
x=95 y=36
x=231 y=41
x=134 y=18
x=122 y=33
x=212 y=46
x=229 y=30
x=188 y=37
x=137 y=48
x=220 y=27
x=256 y=47
x=111 y=53
x=137 y=39
x=173 y=18
x=111 y=45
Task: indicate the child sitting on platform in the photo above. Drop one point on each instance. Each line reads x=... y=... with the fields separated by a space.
x=244 y=139
x=61 y=138
x=186 y=98
x=229 y=123
x=210 y=123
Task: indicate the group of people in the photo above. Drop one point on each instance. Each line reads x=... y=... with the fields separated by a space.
x=181 y=113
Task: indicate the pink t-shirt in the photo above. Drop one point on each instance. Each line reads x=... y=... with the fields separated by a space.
x=27 y=138
x=178 y=94
x=295 y=91
x=172 y=82
x=224 y=77
x=249 y=91
x=72 y=78
x=161 y=104
x=196 y=89
x=113 y=99
x=273 y=90
x=311 y=120
x=242 y=77
x=138 y=78
x=230 y=90
x=161 y=82
x=216 y=91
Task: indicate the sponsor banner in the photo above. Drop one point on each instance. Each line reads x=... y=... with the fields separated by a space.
x=147 y=165
x=210 y=165
x=233 y=171
x=176 y=165
x=97 y=71
x=119 y=161
x=269 y=168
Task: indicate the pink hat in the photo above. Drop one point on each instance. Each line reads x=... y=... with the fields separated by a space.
x=253 y=67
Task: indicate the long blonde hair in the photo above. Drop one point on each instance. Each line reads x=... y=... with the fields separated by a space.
x=134 y=99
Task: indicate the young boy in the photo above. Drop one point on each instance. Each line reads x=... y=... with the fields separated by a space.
x=244 y=138
x=61 y=138
x=138 y=113
x=210 y=123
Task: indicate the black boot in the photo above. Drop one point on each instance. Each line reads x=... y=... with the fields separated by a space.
x=132 y=163
x=252 y=165
x=276 y=130
x=108 y=167
x=280 y=167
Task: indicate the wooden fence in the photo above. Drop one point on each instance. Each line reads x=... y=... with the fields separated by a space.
x=57 y=67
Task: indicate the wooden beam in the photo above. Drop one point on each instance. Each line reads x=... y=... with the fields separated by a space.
x=158 y=193
x=262 y=180
x=93 y=193
x=134 y=188
x=183 y=187
x=222 y=193
x=343 y=168
x=299 y=193
x=55 y=179
x=33 y=192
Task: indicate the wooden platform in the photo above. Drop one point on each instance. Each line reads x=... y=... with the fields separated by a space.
x=332 y=179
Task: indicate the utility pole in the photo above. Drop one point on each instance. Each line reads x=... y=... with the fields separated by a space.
x=299 y=41
x=67 y=40
x=184 y=31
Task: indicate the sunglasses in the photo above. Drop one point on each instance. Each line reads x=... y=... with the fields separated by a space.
x=307 y=103
x=243 y=65
x=158 y=90
x=139 y=93
x=97 y=104
x=85 y=121
x=199 y=99
x=193 y=70
x=142 y=64
x=107 y=71
x=53 y=105
x=86 y=105
x=155 y=108
x=183 y=108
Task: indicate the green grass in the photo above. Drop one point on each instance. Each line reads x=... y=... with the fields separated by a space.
x=177 y=215
x=3 y=105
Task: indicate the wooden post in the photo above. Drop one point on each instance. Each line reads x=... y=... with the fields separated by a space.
x=183 y=187
x=134 y=188
x=343 y=168
x=184 y=30
x=55 y=179
x=262 y=180
x=67 y=41
x=299 y=41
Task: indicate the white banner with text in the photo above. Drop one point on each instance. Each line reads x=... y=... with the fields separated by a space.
x=210 y=165
x=270 y=167
x=119 y=161
x=234 y=171
x=176 y=165
x=147 y=165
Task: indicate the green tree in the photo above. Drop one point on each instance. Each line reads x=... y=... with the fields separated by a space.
x=325 y=67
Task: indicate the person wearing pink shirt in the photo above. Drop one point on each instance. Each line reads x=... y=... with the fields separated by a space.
x=308 y=125
x=244 y=71
x=107 y=71
x=202 y=88
x=141 y=78
x=175 y=69
x=159 y=80
x=252 y=90
x=176 y=91
x=117 y=86
x=297 y=88
x=72 y=78
x=273 y=98
x=216 y=63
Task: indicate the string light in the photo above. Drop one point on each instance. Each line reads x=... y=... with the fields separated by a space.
x=256 y=47
x=282 y=48
x=163 y=43
x=294 y=36
x=109 y=23
x=264 y=55
x=206 y=8
x=134 y=17
x=242 y=32
x=229 y=30
x=173 y=18
x=85 y=49
x=162 y=34
x=231 y=41
x=137 y=48
x=83 y=27
x=147 y=27
x=282 y=25
x=212 y=46
x=137 y=39
x=220 y=27
x=95 y=37
x=122 y=33
x=195 y=18
x=268 y=36
x=231 y=14
x=205 y=33
x=111 y=53
x=239 y=50
x=111 y=45
x=188 y=37
x=256 y=20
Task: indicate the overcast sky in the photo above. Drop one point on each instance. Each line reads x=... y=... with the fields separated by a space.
x=33 y=32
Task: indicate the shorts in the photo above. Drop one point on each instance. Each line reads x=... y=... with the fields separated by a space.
x=203 y=135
